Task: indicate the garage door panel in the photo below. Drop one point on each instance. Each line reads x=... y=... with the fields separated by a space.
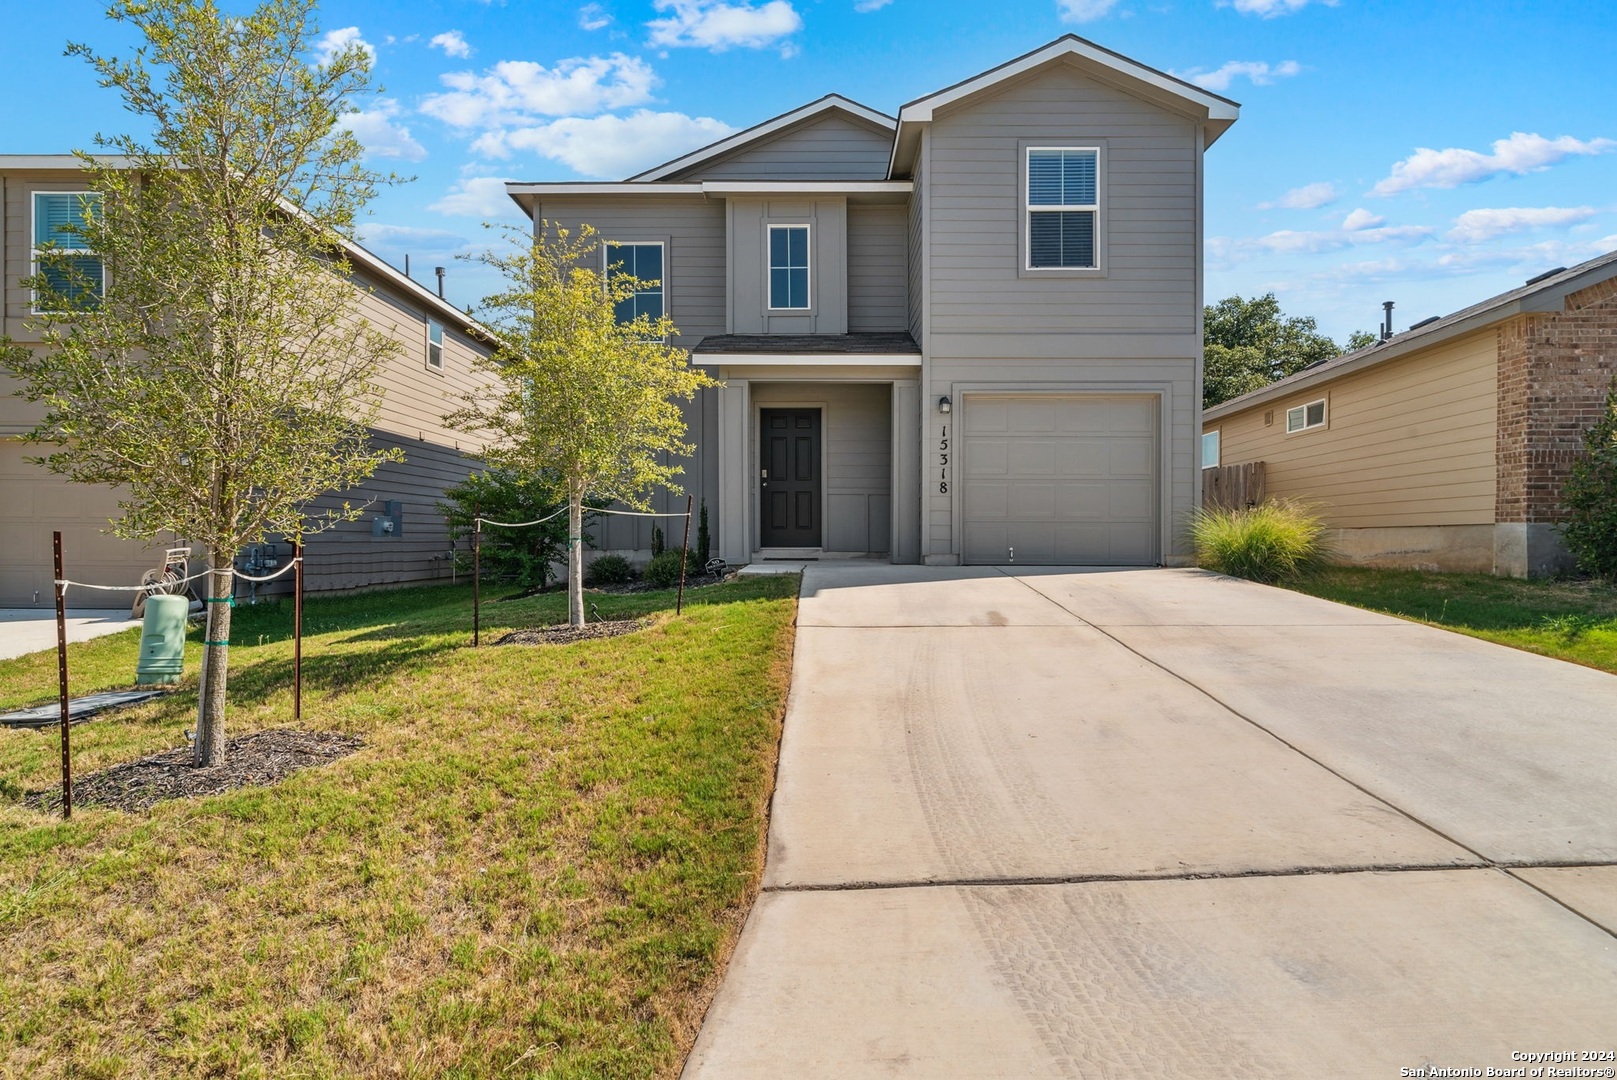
x=1060 y=478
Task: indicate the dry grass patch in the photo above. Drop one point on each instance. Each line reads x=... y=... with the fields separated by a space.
x=536 y=864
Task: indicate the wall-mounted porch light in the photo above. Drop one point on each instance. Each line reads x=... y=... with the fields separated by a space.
x=944 y=404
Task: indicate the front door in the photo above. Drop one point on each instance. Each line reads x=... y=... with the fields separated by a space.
x=789 y=481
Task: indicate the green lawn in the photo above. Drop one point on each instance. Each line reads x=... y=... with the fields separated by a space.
x=1571 y=620
x=536 y=866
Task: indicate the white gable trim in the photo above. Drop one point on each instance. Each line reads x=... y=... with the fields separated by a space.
x=768 y=128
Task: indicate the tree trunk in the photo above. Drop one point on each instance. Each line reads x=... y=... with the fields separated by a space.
x=575 y=559
x=210 y=741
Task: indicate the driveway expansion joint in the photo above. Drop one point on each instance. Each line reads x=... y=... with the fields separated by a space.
x=1112 y=879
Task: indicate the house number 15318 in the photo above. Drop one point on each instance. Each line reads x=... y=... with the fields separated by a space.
x=943 y=462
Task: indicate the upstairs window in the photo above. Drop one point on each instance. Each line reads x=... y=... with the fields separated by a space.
x=1063 y=207
x=1305 y=417
x=644 y=263
x=789 y=267
x=72 y=271
x=435 y=344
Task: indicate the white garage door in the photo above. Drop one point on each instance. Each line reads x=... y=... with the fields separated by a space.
x=36 y=503
x=1060 y=479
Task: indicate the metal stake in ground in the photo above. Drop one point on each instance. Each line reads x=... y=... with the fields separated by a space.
x=477 y=576
x=61 y=676
x=684 y=553
x=297 y=630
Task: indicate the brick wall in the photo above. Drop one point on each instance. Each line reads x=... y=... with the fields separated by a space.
x=1554 y=370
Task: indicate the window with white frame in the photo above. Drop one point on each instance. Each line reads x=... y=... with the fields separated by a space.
x=1063 y=207
x=645 y=263
x=789 y=267
x=71 y=272
x=435 y=344
x=1305 y=417
x=1210 y=450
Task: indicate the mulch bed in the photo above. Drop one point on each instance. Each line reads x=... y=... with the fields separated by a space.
x=561 y=635
x=260 y=758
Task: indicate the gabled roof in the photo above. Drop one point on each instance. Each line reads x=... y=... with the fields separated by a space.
x=767 y=129
x=1545 y=293
x=1217 y=113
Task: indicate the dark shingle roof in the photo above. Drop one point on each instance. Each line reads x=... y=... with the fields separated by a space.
x=1549 y=286
x=807 y=344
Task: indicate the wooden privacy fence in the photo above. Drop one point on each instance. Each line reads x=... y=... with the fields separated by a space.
x=1233 y=487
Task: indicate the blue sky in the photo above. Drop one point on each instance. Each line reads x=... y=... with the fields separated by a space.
x=1427 y=153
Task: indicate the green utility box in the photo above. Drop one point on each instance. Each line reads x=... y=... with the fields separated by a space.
x=162 y=641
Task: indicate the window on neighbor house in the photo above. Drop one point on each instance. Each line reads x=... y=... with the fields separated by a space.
x=1210 y=450
x=1304 y=417
x=644 y=263
x=435 y=344
x=789 y=267
x=73 y=272
x=1063 y=207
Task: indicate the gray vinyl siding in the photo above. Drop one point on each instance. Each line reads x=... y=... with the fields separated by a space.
x=1148 y=213
x=700 y=480
x=917 y=252
x=832 y=146
x=692 y=226
x=878 y=268
x=748 y=224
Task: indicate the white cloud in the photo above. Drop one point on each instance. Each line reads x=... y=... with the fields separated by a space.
x=1307 y=197
x=517 y=91
x=1361 y=219
x=410 y=238
x=1521 y=153
x=1605 y=244
x=378 y=133
x=1270 y=9
x=336 y=41
x=1475 y=226
x=1316 y=242
x=609 y=145
x=1259 y=72
x=870 y=5
x=451 y=42
x=593 y=17
x=1082 y=11
x=481 y=197
x=718 y=25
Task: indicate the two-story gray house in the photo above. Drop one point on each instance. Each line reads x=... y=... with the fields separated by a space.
x=971 y=334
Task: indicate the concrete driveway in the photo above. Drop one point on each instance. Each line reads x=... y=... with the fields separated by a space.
x=26 y=630
x=1159 y=823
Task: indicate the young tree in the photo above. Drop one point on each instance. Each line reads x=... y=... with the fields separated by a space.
x=222 y=380
x=1248 y=344
x=577 y=393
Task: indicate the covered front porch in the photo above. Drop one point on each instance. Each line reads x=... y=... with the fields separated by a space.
x=818 y=446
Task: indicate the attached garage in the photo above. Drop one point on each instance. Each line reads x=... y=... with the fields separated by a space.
x=1061 y=479
x=37 y=503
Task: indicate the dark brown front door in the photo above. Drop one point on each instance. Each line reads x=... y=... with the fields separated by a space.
x=789 y=487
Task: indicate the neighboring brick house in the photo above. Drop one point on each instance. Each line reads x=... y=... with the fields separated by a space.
x=1446 y=446
x=967 y=334
x=401 y=537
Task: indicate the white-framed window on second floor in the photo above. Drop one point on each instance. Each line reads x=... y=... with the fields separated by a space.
x=435 y=345
x=73 y=271
x=1211 y=449
x=1063 y=207
x=789 y=268
x=1305 y=417
x=645 y=263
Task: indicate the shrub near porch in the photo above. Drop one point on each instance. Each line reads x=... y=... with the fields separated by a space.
x=536 y=864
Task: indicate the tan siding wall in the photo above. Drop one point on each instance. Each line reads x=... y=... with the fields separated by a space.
x=1408 y=442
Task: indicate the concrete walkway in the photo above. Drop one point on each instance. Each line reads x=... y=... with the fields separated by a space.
x=26 y=630
x=1159 y=823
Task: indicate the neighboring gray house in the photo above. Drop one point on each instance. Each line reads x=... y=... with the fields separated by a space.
x=968 y=335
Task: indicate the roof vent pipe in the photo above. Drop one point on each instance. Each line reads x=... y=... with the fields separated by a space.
x=1386 y=326
x=440 y=272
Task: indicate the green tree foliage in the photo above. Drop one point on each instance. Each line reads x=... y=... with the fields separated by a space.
x=1590 y=497
x=526 y=556
x=221 y=381
x=1361 y=339
x=1248 y=344
x=575 y=393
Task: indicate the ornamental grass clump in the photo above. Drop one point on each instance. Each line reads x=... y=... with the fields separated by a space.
x=1278 y=540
